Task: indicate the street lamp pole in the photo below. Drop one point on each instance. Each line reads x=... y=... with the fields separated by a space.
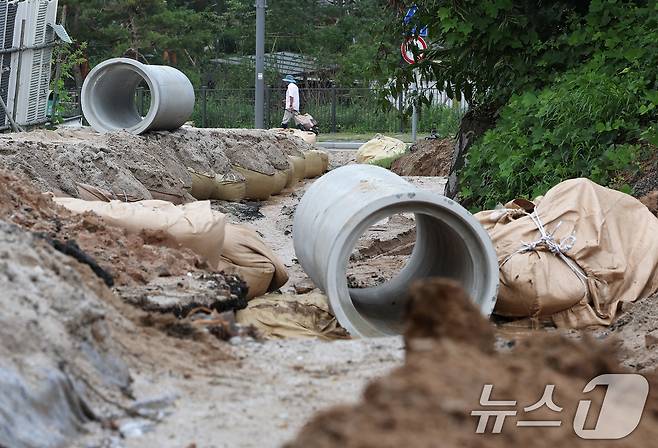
x=260 y=56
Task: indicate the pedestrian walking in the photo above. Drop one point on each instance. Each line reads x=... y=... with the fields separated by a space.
x=291 y=102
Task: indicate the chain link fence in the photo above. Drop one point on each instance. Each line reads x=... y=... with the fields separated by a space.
x=337 y=110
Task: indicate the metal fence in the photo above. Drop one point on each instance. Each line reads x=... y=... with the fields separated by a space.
x=353 y=110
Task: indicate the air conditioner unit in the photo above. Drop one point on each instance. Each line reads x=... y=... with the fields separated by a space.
x=8 y=10
x=28 y=37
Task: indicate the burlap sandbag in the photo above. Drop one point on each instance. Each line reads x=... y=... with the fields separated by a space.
x=604 y=251
x=91 y=193
x=203 y=185
x=292 y=316
x=282 y=178
x=246 y=255
x=168 y=196
x=194 y=226
x=261 y=186
x=317 y=163
x=230 y=188
x=298 y=170
x=381 y=151
x=223 y=187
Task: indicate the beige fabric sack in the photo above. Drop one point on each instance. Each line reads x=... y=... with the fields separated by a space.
x=92 y=193
x=381 y=151
x=292 y=316
x=203 y=185
x=227 y=187
x=173 y=197
x=609 y=246
x=317 y=163
x=298 y=169
x=246 y=255
x=282 y=178
x=230 y=188
x=261 y=186
x=194 y=226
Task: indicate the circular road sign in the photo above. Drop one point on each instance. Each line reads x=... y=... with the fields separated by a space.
x=406 y=49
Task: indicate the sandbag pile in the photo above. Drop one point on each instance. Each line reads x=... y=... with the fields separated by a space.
x=258 y=183
x=381 y=151
x=234 y=249
x=179 y=167
x=573 y=255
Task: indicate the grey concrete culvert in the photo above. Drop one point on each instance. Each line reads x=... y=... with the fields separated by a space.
x=108 y=97
x=339 y=207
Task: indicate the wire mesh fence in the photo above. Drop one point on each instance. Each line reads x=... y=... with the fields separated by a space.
x=346 y=110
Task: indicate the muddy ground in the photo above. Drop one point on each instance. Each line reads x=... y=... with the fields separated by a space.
x=173 y=385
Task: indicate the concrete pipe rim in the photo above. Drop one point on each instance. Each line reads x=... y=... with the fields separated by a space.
x=341 y=300
x=89 y=106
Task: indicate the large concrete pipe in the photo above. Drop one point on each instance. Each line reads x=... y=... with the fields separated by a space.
x=338 y=209
x=108 y=97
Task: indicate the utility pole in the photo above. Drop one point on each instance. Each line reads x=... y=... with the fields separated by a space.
x=260 y=56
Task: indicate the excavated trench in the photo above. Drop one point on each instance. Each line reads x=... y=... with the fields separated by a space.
x=155 y=360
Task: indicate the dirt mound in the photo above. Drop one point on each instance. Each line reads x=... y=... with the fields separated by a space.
x=56 y=350
x=142 y=167
x=426 y=158
x=129 y=259
x=433 y=300
x=429 y=400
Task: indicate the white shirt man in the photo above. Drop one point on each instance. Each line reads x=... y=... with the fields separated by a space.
x=291 y=101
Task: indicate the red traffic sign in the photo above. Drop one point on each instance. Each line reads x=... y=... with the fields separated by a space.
x=406 y=49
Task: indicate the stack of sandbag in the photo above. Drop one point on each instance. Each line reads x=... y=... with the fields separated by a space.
x=381 y=151
x=574 y=254
x=232 y=248
x=260 y=180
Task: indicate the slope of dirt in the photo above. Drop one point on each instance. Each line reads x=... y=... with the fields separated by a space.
x=142 y=167
x=127 y=258
x=56 y=347
x=450 y=358
x=426 y=158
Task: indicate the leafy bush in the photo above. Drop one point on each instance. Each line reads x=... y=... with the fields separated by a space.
x=584 y=125
x=590 y=121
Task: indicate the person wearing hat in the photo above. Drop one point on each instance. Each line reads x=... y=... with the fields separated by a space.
x=291 y=101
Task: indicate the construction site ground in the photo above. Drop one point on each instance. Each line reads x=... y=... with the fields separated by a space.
x=203 y=392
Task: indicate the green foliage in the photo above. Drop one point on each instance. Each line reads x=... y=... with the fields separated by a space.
x=350 y=34
x=575 y=83
x=66 y=57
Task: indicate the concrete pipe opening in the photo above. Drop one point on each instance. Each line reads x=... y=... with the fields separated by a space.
x=108 y=97
x=337 y=210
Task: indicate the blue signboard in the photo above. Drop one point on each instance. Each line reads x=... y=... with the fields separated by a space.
x=407 y=20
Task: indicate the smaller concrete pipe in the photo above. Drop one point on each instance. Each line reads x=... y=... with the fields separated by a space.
x=337 y=210
x=108 y=97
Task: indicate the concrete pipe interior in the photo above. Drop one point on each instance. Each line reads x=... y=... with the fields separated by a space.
x=439 y=251
x=114 y=102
